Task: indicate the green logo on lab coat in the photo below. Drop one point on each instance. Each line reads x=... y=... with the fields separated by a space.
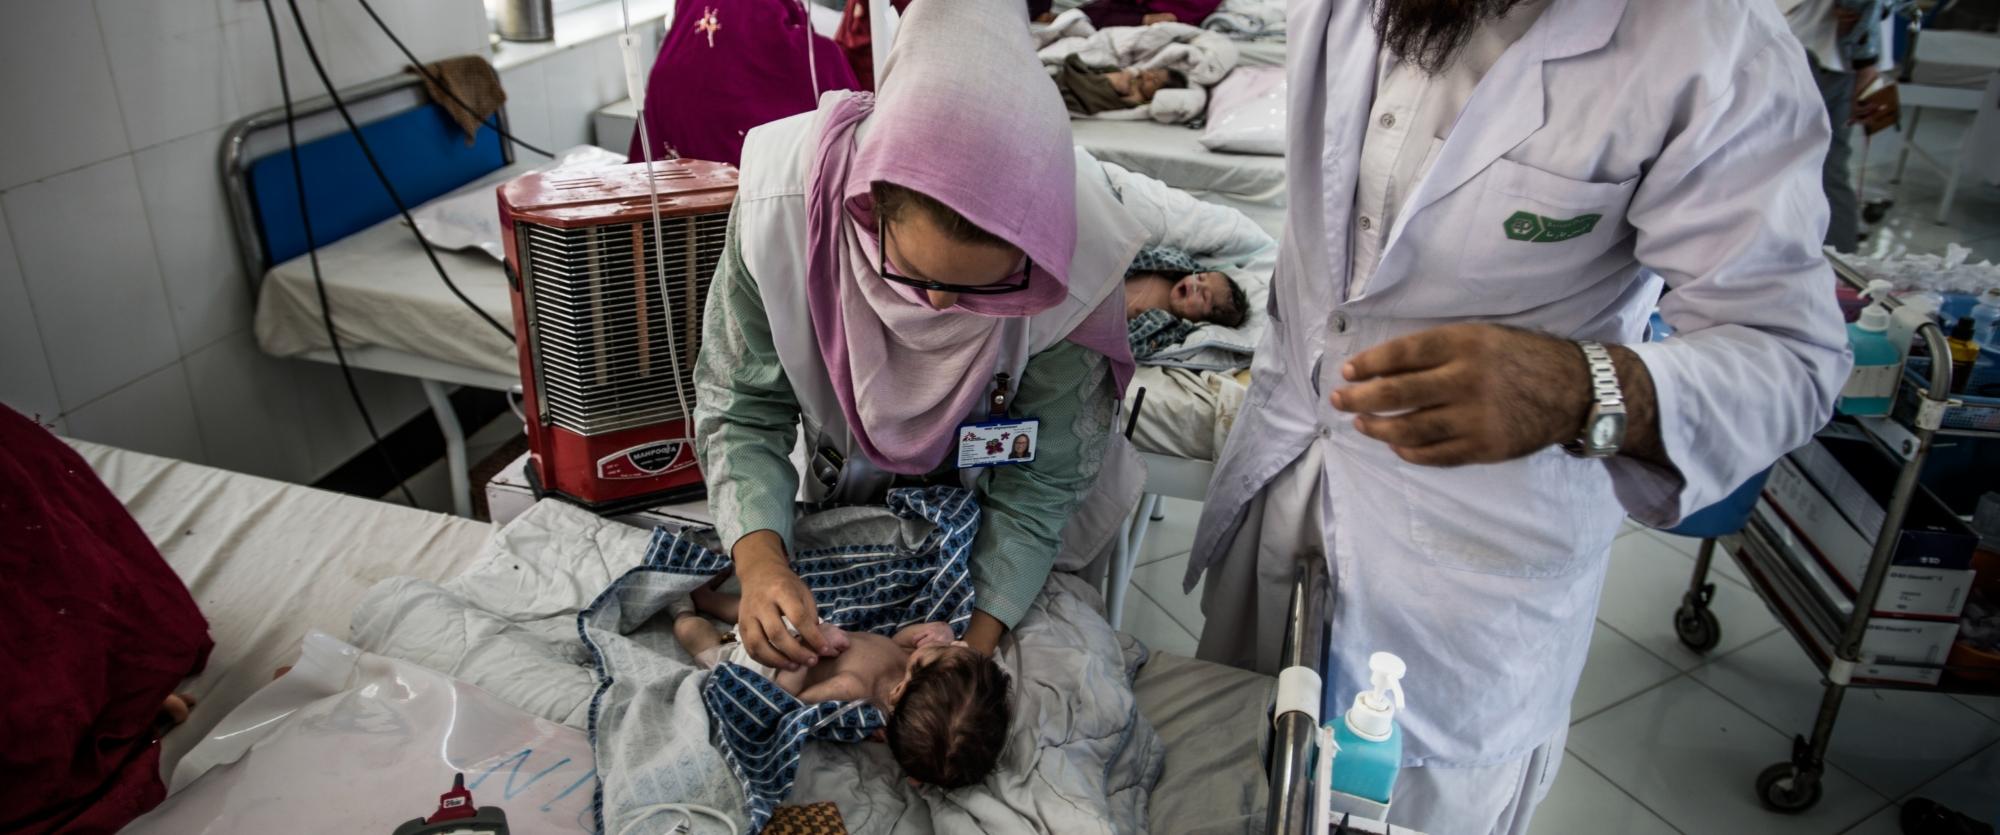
x=1528 y=226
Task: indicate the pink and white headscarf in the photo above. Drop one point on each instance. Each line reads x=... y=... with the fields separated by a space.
x=965 y=115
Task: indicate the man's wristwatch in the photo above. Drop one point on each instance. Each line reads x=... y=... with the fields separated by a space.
x=1604 y=429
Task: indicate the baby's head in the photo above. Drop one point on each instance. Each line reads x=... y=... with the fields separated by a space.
x=949 y=720
x=1210 y=297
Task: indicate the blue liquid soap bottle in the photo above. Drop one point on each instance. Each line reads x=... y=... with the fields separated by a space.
x=1368 y=747
x=1878 y=363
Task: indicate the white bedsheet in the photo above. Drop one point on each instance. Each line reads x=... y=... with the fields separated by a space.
x=384 y=292
x=268 y=561
x=1261 y=53
x=1174 y=155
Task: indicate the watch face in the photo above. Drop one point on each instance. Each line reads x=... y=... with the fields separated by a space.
x=1601 y=432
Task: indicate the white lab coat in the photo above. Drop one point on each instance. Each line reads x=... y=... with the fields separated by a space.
x=1695 y=131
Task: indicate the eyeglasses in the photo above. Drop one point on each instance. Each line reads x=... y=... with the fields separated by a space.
x=994 y=289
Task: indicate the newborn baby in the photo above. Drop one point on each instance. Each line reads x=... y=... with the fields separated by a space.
x=947 y=703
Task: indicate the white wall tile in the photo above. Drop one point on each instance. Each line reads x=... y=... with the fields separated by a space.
x=87 y=257
x=190 y=222
x=581 y=80
x=168 y=64
x=25 y=384
x=333 y=429
x=61 y=110
x=356 y=50
x=246 y=43
x=154 y=414
x=247 y=411
x=528 y=108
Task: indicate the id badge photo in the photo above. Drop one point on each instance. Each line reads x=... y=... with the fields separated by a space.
x=998 y=443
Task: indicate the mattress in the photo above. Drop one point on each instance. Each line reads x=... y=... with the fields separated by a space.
x=267 y=561
x=1215 y=720
x=1174 y=155
x=385 y=293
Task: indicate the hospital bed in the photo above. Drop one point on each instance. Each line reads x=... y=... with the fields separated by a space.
x=1173 y=154
x=268 y=561
x=392 y=312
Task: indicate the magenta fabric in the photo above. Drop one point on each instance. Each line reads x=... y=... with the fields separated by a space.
x=966 y=116
x=728 y=66
x=1108 y=13
x=95 y=632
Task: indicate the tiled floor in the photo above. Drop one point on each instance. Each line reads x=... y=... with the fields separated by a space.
x=1663 y=740
x=1911 y=225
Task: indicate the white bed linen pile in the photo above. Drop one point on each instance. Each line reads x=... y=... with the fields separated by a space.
x=1203 y=56
x=1080 y=757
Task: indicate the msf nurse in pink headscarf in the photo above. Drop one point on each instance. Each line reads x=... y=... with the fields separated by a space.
x=911 y=277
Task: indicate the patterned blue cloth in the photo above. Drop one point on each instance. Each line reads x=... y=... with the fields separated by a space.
x=877 y=588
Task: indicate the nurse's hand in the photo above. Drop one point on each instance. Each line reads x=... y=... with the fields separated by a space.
x=773 y=594
x=1481 y=393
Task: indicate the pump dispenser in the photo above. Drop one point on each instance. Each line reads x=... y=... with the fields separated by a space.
x=1871 y=387
x=1369 y=744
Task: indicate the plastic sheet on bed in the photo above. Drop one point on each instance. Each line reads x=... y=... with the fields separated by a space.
x=268 y=562
x=353 y=742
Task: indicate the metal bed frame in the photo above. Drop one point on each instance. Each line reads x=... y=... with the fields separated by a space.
x=1290 y=811
x=435 y=376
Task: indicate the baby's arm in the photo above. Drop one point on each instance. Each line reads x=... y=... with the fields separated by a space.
x=918 y=636
x=841 y=687
x=715 y=604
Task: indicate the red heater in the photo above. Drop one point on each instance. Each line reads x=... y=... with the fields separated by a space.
x=608 y=321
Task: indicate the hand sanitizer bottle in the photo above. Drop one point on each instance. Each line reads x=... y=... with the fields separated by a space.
x=1871 y=387
x=1368 y=745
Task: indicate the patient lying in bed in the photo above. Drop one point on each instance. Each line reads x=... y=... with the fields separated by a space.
x=947 y=703
x=1168 y=295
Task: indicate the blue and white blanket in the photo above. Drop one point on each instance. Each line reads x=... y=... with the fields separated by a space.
x=879 y=587
x=1079 y=757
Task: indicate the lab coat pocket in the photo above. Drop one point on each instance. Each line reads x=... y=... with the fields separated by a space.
x=1516 y=518
x=1535 y=237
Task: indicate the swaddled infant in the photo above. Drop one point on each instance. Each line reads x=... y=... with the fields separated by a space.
x=947 y=703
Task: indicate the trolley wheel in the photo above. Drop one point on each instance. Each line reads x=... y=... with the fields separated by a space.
x=1782 y=788
x=1697 y=627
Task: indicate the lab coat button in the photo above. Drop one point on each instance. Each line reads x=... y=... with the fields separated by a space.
x=1365 y=223
x=1338 y=324
x=1388 y=120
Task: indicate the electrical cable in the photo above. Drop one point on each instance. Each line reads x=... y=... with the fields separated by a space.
x=688 y=812
x=635 y=83
x=425 y=71
x=812 y=59
x=312 y=255
x=312 y=52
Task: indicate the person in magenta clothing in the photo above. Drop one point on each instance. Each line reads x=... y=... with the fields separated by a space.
x=728 y=66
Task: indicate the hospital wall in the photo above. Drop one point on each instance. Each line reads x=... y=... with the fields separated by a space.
x=125 y=317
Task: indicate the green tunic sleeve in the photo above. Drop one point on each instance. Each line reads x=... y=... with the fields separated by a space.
x=1025 y=506
x=746 y=417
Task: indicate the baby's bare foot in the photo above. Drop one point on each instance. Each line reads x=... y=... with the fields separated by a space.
x=174 y=711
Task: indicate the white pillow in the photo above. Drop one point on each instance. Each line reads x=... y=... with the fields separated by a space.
x=1246 y=112
x=470 y=219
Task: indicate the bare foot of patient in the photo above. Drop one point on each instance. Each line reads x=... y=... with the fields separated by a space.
x=174 y=711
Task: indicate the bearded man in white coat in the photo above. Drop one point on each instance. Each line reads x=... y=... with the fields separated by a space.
x=1486 y=199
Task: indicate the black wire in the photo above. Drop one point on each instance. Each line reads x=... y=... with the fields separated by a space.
x=312 y=255
x=439 y=84
x=312 y=52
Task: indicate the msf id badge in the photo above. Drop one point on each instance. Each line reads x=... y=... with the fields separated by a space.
x=998 y=442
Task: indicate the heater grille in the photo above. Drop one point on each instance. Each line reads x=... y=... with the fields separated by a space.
x=604 y=340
